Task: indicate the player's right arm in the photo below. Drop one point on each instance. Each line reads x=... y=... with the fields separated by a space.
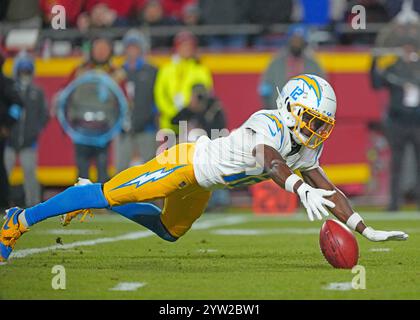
x=313 y=199
x=344 y=212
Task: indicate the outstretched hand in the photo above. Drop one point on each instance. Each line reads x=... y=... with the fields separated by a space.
x=378 y=235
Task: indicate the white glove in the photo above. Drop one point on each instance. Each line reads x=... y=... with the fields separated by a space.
x=377 y=235
x=313 y=200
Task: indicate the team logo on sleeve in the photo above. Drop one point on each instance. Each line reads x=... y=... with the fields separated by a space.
x=278 y=125
x=149 y=177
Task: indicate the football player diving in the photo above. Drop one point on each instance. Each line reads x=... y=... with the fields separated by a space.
x=283 y=145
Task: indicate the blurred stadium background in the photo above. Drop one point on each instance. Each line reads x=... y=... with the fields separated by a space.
x=356 y=157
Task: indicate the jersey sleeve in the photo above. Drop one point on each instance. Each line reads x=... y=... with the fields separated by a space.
x=268 y=128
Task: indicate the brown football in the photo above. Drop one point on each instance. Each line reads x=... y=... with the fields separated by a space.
x=338 y=245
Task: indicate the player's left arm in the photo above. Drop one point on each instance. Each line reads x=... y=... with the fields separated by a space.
x=343 y=211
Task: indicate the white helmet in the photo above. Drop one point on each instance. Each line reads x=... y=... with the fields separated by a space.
x=307 y=104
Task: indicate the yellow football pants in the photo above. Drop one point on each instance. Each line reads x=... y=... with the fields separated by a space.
x=169 y=176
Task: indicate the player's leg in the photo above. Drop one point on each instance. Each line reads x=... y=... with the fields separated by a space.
x=74 y=198
x=147 y=215
x=147 y=182
x=181 y=210
x=156 y=179
x=153 y=180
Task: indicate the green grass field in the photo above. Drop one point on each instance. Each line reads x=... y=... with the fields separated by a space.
x=230 y=256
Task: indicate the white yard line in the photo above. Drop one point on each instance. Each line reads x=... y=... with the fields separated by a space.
x=200 y=225
x=66 y=232
x=259 y=232
x=299 y=216
x=268 y=231
x=128 y=286
x=369 y=216
x=339 y=286
x=207 y=250
x=380 y=249
x=129 y=236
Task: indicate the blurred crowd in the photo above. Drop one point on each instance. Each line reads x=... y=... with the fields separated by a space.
x=87 y=14
x=181 y=90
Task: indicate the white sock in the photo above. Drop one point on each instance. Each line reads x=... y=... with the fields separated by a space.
x=22 y=219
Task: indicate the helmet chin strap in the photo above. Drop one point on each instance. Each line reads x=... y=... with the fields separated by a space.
x=295 y=139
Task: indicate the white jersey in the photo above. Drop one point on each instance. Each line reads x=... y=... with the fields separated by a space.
x=229 y=162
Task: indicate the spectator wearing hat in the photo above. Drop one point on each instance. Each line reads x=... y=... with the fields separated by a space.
x=175 y=80
x=23 y=140
x=10 y=111
x=293 y=61
x=138 y=140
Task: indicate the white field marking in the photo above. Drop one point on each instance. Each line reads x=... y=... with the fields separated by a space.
x=210 y=223
x=129 y=236
x=65 y=232
x=380 y=249
x=3 y=263
x=257 y=232
x=207 y=250
x=239 y=232
x=200 y=225
x=368 y=216
x=128 y=286
x=111 y=217
x=339 y=286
